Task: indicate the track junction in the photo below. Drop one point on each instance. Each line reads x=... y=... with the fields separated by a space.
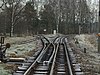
x=55 y=58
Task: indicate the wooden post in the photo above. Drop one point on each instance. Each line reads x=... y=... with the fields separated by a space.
x=79 y=29
x=99 y=31
x=99 y=44
x=2 y=40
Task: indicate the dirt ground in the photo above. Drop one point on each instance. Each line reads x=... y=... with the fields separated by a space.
x=89 y=61
x=20 y=47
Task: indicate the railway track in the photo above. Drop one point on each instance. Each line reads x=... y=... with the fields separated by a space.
x=27 y=66
x=43 y=63
x=64 y=62
x=55 y=58
x=60 y=64
x=60 y=67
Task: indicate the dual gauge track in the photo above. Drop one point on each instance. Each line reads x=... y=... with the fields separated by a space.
x=55 y=58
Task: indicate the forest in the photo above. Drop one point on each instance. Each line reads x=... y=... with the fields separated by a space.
x=20 y=17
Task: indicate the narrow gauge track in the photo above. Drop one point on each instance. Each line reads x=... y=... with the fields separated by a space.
x=54 y=59
x=43 y=64
x=42 y=67
x=27 y=66
x=61 y=62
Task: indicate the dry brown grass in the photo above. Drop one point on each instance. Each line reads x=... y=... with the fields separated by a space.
x=92 y=39
x=30 y=53
x=88 y=67
x=10 y=67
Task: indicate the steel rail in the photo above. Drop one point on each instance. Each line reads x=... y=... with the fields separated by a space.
x=55 y=42
x=40 y=54
x=46 y=61
x=54 y=60
x=38 y=58
x=45 y=38
x=52 y=54
x=68 y=60
x=46 y=44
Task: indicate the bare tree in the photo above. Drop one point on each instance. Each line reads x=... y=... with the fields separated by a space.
x=13 y=9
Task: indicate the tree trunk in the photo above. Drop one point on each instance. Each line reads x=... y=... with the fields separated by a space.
x=12 y=31
x=12 y=22
x=99 y=32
